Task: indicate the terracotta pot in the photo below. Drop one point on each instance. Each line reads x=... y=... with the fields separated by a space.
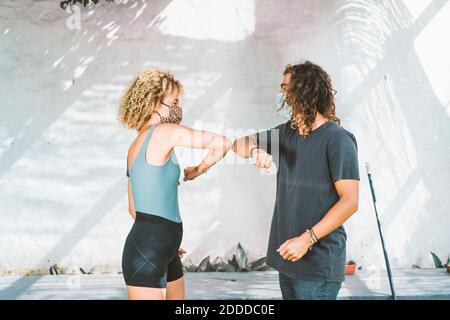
x=350 y=269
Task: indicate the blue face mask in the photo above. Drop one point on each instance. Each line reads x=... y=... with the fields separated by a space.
x=285 y=111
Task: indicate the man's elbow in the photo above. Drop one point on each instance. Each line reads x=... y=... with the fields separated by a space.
x=353 y=205
x=228 y=143
x=241 y=146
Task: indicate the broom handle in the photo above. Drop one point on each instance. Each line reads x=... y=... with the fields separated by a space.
x=386 y=257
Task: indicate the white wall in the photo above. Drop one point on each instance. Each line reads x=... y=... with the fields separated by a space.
x=63 y=153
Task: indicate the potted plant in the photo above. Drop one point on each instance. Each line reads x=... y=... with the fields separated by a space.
x=239 y=263
x=350 y=267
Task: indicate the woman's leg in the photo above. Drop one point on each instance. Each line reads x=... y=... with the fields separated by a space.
x=143 y=293
x=145 y=270
x=175 y=289
x=175 y=280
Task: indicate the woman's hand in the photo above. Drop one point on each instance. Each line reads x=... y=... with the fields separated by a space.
x=181 y=252
x=190 y=173
x=294 y=249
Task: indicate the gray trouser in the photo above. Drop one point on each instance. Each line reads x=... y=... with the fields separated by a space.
x=296 y=289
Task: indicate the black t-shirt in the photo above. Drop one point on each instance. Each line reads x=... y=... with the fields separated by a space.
x=307 y=170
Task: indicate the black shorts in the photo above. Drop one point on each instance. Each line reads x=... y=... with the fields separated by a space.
x=150 y=255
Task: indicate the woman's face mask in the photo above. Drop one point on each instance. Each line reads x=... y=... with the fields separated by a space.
x=283 y=109
x=175 y=114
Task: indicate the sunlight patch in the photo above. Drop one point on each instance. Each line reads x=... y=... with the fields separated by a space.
x=229 y=21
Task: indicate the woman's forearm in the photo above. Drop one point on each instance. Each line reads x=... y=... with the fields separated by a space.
x=216 y=151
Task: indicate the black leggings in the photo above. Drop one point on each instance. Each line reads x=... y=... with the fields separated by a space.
x=150 y=255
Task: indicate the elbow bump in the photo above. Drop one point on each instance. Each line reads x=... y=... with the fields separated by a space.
x=234 y=145
x=228 y=143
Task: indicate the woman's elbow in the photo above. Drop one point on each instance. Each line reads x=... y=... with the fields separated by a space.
x=228 y=143
x=223 y=144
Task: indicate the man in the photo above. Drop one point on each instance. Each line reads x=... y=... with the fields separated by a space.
x=317 y=185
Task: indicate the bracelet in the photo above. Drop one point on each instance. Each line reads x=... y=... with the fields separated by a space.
x=313 y=238
x=314 y=235
x=251 y=150
x=312 y=241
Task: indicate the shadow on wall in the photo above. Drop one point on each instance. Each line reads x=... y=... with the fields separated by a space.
x=258 y=62
x=393 y=98
x=78 y=52
x=175 y=53
x=210 y=68
x=399 y=104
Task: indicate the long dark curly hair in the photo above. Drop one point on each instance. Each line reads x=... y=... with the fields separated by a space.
x=310 y=92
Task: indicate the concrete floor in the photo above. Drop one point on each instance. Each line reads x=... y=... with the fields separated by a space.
x=409 y=284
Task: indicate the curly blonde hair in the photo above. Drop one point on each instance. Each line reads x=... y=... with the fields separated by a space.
x=311 y=91
x=143 y=95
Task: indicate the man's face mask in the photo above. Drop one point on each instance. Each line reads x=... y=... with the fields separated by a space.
x=283 y=109
x=175 y=114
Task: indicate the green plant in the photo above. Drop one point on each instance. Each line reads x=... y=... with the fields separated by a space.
x=238 y=263
x=438 y=263
x=351 y=262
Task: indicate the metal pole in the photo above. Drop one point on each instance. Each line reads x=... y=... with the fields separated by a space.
x=386 y=257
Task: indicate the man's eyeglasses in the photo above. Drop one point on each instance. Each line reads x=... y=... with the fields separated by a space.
x=167 y=105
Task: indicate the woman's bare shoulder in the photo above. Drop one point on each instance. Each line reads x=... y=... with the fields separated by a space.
x=132 y=148
x=172 y=130
x=169 y=127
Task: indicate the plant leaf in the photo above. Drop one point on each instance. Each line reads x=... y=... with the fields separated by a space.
x=242 y=257
x=437 y=261
x=215 y=264
x=224 y=267
x=257 y=263
x=263 y=267
x=233 y=262
x=205 y=265
x=191 y=267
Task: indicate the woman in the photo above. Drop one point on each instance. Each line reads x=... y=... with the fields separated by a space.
x=151 y=263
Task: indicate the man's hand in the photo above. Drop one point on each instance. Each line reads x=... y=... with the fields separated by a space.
x=181 y=252
x=262 y=158
x=190 y=173
x=294 y=249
